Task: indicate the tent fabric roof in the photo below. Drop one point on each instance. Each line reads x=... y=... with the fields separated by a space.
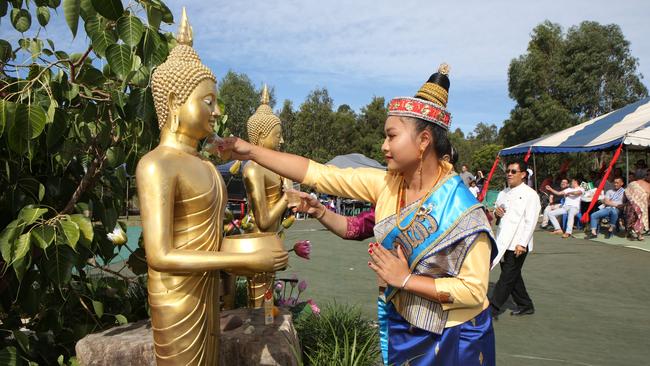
x=601 y=133
x=355 y=161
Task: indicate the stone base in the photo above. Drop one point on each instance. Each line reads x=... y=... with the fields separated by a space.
x=252 y=343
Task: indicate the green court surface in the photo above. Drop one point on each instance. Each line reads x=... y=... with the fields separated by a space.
x=591 y=299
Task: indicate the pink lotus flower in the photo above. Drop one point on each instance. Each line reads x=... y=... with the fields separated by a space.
x=302 y=286
x=302 y=248
x=314 y=308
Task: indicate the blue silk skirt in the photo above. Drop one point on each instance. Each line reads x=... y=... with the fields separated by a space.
x=467 y=344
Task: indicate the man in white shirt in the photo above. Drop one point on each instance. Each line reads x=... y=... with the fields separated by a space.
x=518 y=207
x=553 y=204
x=612 y=202
x=570 y=207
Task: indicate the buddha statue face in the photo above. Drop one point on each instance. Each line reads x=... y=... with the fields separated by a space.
x=273 y=139
x=198 y=114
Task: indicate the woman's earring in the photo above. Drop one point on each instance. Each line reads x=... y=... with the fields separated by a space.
x=420 y=168
x=174 y=127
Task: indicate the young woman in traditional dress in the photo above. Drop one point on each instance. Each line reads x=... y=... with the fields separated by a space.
x=435 y=243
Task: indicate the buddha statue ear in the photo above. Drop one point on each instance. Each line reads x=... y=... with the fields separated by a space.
x=173 y=113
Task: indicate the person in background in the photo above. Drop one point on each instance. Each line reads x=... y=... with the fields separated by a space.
x=466 y=175
x=473 y=188
x=518 y=207
x=608 y=209
x=480 y=180
x=570 y=207
x=636 y=209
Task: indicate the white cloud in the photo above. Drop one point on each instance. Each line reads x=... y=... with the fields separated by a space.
x=362 y=48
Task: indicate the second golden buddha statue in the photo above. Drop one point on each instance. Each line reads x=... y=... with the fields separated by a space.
x=264 y=189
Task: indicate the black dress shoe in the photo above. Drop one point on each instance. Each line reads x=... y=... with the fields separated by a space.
x=523 y=311
x=591 y=236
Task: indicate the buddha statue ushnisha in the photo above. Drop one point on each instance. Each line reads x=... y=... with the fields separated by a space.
x=182 y=199
x=264 y=189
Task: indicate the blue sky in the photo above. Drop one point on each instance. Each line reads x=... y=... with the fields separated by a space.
x=358 y=49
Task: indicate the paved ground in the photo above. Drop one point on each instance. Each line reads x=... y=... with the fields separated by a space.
x=592 y=299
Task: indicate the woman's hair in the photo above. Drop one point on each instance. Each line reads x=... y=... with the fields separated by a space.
x=441 y=144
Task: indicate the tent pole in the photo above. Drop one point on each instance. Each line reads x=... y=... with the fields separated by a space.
x=627 y=167
x=535 y=171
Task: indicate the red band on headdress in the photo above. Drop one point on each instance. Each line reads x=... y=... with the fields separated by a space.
x=422 y=109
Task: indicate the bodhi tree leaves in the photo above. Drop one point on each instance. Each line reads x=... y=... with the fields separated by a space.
x=73 y=124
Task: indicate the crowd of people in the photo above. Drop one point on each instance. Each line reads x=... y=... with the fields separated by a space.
x=622 y=208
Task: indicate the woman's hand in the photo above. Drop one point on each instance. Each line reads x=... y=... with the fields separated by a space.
x=310 y=205
x=390 y=268
x=235 y=148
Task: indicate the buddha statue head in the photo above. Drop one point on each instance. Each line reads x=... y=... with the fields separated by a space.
x=265 y=128
x=185 y=90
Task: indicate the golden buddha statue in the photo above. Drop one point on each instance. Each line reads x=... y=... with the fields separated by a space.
x=264 y=188
x=182 y=201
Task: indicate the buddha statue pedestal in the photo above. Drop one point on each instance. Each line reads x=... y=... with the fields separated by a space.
x=252 y=343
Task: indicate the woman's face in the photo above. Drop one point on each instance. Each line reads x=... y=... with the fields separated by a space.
x=401 y=148
x=273 y=139
x=198 y=114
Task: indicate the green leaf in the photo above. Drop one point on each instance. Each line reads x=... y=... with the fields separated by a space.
x=58 y=264
x=43 y=236
x=31 y=214
x=21 y=19
x=20 y=247
x=120 y=60
x=130 y=29
x=70 y=231
x=91 y=76
x=3 y=7
x=99 y=308
x=43 y=15
x=6 y=51
x=71 y=9
x=111 y=9
x=22 y=339
x=51 y=111
x=7 y=113
x=30 y=121
x=100 y=36
x=53 y=3
x=87 y=10
x=41 y=192
x=8 y=356
x=121 y=319
x=154 y=16
x=8 y=236
x=86 y=228
x=56 y=130
x=20 y=267
x=154 y=48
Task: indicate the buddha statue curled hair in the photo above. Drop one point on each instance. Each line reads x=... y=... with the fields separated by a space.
x=263 y=121
x=179 y=74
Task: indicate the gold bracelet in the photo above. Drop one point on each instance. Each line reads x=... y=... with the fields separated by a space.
x=406 y=280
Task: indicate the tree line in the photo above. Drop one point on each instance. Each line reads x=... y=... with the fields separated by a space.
x=564 y=78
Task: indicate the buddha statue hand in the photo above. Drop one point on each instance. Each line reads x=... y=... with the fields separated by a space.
x=267 y=260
